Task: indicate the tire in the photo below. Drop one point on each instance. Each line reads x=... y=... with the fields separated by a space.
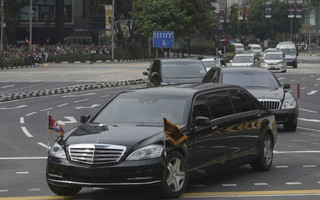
x=174 y=180
x=290 y=125
x=264 y=161
x=64 y=190
x=295 y=65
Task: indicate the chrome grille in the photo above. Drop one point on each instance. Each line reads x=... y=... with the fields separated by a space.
x=271 y=104
x=96 y=153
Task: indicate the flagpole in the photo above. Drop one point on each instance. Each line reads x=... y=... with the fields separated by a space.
x=164 y=140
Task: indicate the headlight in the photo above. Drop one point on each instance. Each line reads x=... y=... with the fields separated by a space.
x=289 y=103
x=264 y=65
x=148 y=152
x=57 y=151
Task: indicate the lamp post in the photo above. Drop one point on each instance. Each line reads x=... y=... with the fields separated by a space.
x=295 y=10
x=2 y=26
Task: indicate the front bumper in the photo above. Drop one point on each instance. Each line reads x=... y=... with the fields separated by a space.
x=286 y=115
x=127 y=173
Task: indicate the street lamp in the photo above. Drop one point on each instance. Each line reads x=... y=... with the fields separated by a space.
x=30 y=26
x=295 y=10
x=2 y=26
x=112 y=33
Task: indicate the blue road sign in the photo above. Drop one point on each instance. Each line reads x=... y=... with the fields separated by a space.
x=163 y=39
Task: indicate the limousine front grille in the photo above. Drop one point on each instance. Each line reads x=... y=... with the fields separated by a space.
x=95 y=153
x=271 y=104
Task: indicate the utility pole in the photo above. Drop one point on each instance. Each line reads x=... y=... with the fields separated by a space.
x=112 y=33
x=2 y=26
x=30 y=26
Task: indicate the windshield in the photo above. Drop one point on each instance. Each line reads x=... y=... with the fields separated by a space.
x=242 y=59
x=256 y=48
x=289 y=51
x=183 y=70
x=250 y=79
x=210 y=64
x=143 y=109
x=273 y=57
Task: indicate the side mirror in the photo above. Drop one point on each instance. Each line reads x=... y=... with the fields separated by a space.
x=286 y=86
x=145 y=73
x=202 y=121
x=155 y=75
x=84 y=118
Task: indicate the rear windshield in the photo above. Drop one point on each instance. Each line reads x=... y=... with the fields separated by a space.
x=273 y=57
x=243 y=59
x=183 y=70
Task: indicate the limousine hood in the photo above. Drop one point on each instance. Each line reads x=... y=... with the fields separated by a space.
x=267 y=93
x=126 y=135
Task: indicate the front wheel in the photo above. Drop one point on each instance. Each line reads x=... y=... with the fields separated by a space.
x=264 y=161
x=175 y=177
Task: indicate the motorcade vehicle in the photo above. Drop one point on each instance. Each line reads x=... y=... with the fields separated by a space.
x=213 y=62
x=256 y=48
x=124 y=144
x=265 y=87
x=238 y=47
x=174 y=71
x=275 y=61
x=246 y=59
x=270 y=50
x=290 y=51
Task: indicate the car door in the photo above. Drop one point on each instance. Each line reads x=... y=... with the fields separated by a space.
x=246 y=120
x=210 y=142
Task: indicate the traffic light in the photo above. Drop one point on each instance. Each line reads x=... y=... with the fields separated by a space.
x=26 y=41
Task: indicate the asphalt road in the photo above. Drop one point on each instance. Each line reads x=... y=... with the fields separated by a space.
x=24 y=138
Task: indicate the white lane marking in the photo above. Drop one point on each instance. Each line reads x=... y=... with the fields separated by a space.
x=229 y=185
x=22 y=173
x=306 y=110
x=303 y=88
x=21 y=120
x=92 y=106
x=312 y=92
x=293 y=183
x=260 y=184
x=80 y=95
x=46 y=109
x=105 y=96
x=21 y=106
x=23 y=158
x=34 y=190
x=316 y=85
x=309 y=166
x=59 y=106
x=26 y=132
x=4 y=190
x=37 y=81
x=42 y=144
x=309 y=120
x=281 y=78
x=71 y=120
x=294 y=152
x=318 y=79
x=303 y=78
x=29 y=114
x=281 y=167
x=293 y=80
x=308 y=129
x=7 y=86
x=80 y=100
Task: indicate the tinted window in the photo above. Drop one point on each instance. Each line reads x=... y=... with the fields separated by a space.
x=250 y=79
x=243 y=59
x=239 y=100
x=219 y=104
x=144 y=109
x=183 y=70
x=200 y=108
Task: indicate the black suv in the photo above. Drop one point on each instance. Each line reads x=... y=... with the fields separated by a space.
x=124 y=143
x=265 y=87
x=175 y=71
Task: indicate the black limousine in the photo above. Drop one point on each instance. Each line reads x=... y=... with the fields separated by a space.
x=124 y=144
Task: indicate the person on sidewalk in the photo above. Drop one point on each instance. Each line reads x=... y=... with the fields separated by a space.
x=91 y=57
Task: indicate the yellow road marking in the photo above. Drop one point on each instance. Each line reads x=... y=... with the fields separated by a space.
x=254 y=193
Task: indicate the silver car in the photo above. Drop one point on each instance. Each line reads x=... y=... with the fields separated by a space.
x=246 y=60
x=275 y=61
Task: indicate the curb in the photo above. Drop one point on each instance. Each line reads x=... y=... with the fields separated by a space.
x=20 y=66
x=69 y=89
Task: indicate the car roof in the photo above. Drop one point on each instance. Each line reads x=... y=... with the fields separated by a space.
x=181 y=60
x=245 y=54
x=274 y=52
x=179 y=89
x=210 y=59
x=245 y=69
